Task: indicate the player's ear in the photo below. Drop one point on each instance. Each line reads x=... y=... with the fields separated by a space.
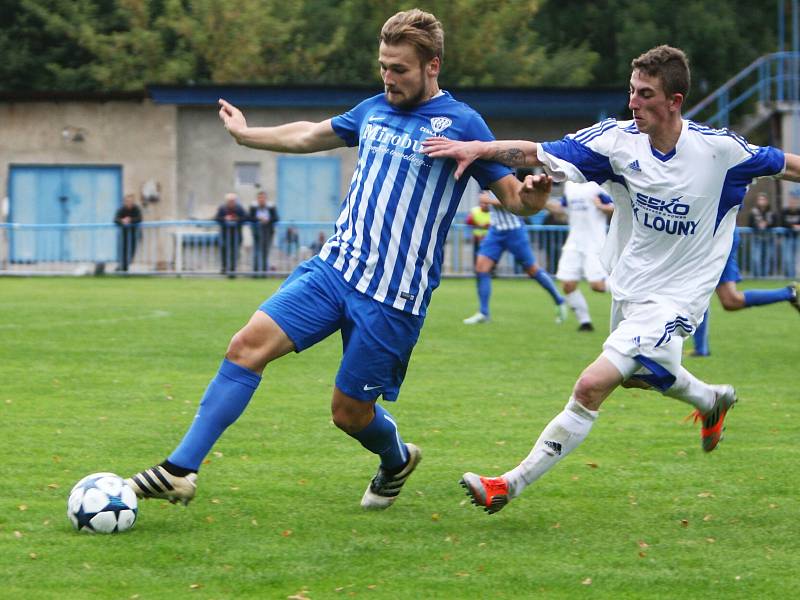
x=676 y=101
x=434 y=67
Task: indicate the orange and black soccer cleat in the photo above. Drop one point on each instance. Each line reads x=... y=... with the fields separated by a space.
x=711 y=431
x=490 y=493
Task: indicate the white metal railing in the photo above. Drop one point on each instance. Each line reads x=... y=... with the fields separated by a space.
x=193 y=248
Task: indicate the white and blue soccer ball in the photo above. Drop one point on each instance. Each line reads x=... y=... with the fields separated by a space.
x=102 y=503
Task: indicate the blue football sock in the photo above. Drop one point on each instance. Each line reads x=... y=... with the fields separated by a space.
x=701 y=337
x=484 y=291
x=225 y=399
x=381 y=437
x=544 y=279
x=759 y=297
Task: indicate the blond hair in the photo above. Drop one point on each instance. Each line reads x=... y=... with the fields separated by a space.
x=418 y=28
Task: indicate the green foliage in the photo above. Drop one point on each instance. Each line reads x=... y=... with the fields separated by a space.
x=108 y=378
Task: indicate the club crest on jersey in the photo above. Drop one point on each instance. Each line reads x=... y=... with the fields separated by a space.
x=439 y=124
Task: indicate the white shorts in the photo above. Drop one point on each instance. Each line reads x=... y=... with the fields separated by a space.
x=646 y=341
x=575 y=265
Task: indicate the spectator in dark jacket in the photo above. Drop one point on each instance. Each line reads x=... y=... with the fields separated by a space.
x=127 y=219
x=263 y=216
x=762 y=219
x=230 y=217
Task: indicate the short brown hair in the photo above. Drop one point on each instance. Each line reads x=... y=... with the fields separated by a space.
x=670 y=65
x=418 y=28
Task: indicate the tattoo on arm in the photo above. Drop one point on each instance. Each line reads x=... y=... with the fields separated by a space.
x=513 y=157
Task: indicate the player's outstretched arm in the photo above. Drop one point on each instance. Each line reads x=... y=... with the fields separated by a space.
x=792 y=172
x=298 y=137
x=523 y=198
x=514 y=153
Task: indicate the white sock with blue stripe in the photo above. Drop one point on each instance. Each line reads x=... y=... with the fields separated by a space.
x=691 y=390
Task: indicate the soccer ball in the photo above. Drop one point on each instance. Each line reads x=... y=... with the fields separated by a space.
x=102 y=503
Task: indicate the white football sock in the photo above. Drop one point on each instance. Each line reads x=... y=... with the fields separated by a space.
x=691 y=390
x=577 y=303
x=561 y=436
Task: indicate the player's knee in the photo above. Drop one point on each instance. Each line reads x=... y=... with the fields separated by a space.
x=247 y=349
x=598 y=286
x=348 y=420
x=588 y=390
x=569 y=286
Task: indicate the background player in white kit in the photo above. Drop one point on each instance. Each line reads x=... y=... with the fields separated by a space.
x=666 y=249
x=587 y=207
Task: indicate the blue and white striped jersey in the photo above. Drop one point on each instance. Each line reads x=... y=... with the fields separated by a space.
x=503 y=220
x=674 y=232
x=389 y=238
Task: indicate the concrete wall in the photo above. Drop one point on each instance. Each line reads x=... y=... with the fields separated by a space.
x=207 y=156
x=138 y=135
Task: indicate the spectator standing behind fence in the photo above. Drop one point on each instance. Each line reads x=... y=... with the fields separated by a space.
x=762 y=219
x=127 y=218
x=263 y=215
x=291 y=241
x=230 y=217
x=790 y=219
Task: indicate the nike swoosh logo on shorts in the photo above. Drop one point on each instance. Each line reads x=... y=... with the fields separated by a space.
x=371 y=387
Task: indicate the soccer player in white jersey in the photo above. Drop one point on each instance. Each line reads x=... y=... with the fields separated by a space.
x=507 y=231
x=374 y=276
x=587 y=207
x=666 y=249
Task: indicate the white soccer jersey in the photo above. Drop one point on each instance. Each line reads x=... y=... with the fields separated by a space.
x=682 y=208
x=587 y=223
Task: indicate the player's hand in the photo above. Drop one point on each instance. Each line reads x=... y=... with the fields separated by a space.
x=464 y=153
x=535 y=191
x=232 y=118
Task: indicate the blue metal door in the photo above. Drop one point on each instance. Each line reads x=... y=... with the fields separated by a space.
x=308 y=190
x=62 y=196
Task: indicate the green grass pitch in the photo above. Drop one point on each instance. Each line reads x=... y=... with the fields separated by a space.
x=105 y=374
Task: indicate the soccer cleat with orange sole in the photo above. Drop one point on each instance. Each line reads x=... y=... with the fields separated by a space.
x=490 y=493
x=712 y=428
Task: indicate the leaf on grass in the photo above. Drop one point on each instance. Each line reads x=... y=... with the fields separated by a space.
x=462 y=574
x=209 y=519
x=684 y=522
x=643 y=544
x=642 y=554
x=705 y=495
x=711 y=540
x=301 y=595
x=286 y=532
x=707 y=518
x=18 y=534
x=592 y=465
x=587 y=581
x=215 y=501
x=53 y=486
x=23 y=507
x=195 y=586
x=556 y=526
x=501 y=443
x=33 y=555
x=218 y=454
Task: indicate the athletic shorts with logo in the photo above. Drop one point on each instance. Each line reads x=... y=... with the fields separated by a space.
x=514 y=240
x=377 y=339
x=652 y=335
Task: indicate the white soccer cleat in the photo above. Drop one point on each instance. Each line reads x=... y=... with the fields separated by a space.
x=561 y=313
x=477 y=318
x=157 y=482
x=384 y=488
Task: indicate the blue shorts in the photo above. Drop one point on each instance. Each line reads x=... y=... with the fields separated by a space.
x=377 y=339
x=514 y=240
x=731 y=270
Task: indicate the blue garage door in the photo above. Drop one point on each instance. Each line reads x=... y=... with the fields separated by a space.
x=308 y=190
x=64 y=195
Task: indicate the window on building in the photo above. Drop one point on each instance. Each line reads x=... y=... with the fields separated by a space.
x=247 y=173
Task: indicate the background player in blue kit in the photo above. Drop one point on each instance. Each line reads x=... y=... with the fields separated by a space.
x=374 y=276
x=732 y=298
x=507 y=232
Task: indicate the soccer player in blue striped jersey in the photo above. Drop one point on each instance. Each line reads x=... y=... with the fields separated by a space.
x=374 y=276
x=665 y=251
x=507 y=231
